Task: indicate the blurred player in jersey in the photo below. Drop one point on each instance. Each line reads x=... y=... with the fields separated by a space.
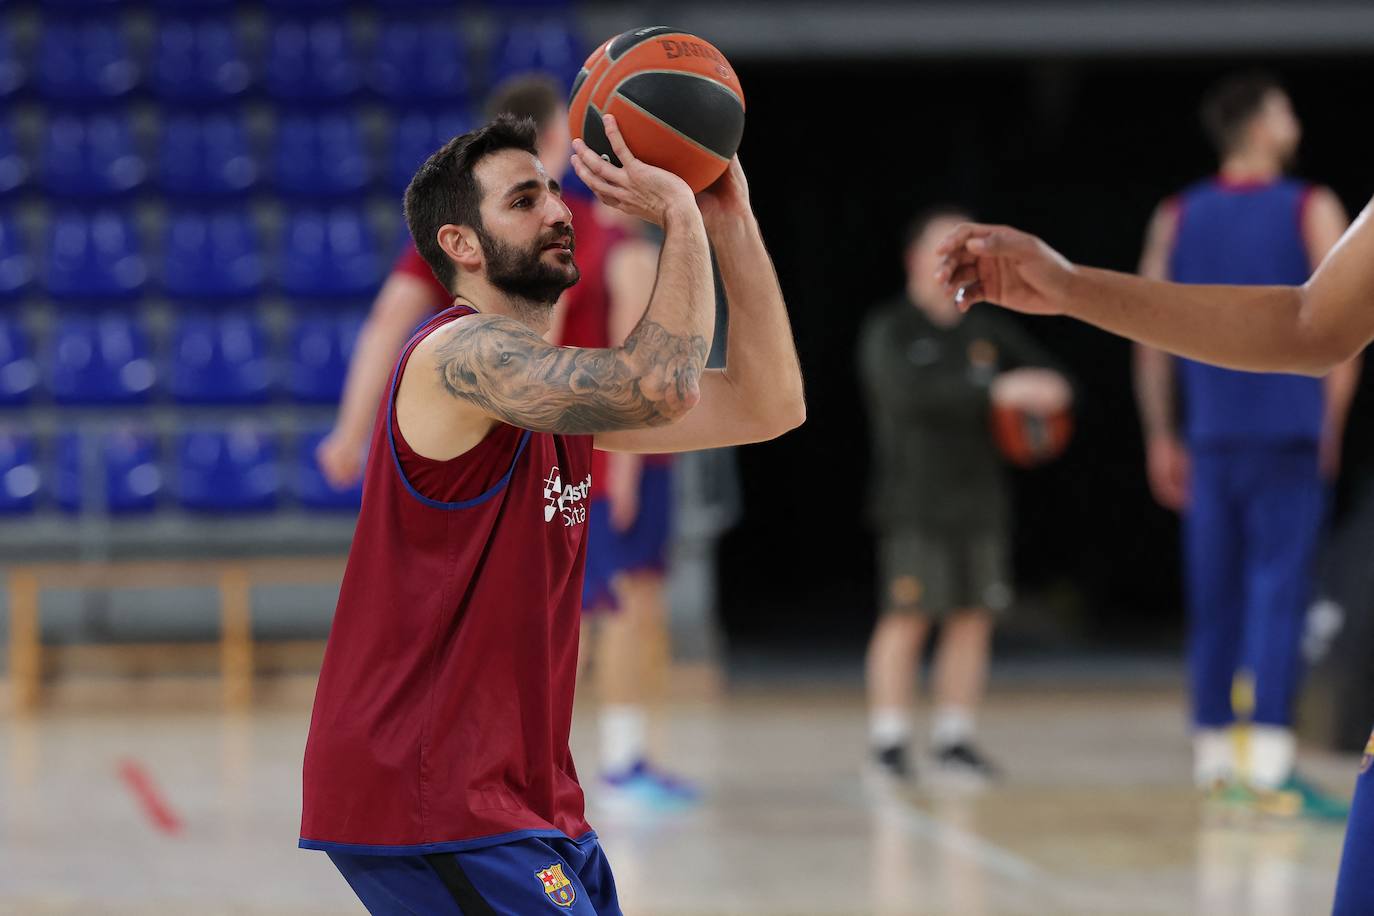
x=1310 y=329
x=1249 y=471
x=630 y=524
x=437 y=772
x=939 y=503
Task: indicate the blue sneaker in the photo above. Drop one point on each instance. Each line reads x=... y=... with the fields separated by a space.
x=643 y=786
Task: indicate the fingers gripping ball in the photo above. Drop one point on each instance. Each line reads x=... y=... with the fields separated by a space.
x=676 y=98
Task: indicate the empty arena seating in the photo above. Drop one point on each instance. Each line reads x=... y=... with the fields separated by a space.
x=198 y=200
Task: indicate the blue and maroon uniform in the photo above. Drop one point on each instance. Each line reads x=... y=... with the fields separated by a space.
x=437 y=768
x=1257 y=497
x=644 y=545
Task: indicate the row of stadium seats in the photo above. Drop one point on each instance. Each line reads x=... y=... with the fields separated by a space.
x=207 y=156
x=192 y=6
x=415 y=60
x=222 y=357
x=239 y=468
x=323 y=253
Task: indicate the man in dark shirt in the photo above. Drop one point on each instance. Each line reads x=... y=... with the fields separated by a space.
x=938 y=499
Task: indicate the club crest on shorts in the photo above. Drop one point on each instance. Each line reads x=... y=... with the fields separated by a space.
x=1368 y=755
x=556 y=885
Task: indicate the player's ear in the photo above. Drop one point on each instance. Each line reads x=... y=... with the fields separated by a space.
x=460 y=243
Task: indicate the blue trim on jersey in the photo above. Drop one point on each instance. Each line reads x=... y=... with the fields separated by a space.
x=424 y=849
x=396 y=457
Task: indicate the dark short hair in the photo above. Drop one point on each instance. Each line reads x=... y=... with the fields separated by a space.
x=1230 y=103
x=532 y=95
x=922 y=220
x=445 y=190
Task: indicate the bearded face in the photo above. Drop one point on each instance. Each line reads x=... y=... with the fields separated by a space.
x=537 y=272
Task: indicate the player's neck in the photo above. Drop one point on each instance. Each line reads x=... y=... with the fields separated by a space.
x=1250 y=167
x=489 y=300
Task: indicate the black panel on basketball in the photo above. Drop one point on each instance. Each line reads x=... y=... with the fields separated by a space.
x=594 y=135
x=627 y=40
x=577 y=83
x=694 y=106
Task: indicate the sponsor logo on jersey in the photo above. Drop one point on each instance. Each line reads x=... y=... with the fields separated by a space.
x=566 y=502
x=556 y=885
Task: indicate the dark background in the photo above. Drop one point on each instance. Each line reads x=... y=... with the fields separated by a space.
x=839 y=156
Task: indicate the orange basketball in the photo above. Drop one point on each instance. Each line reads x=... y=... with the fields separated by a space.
x=1029 y=439
x=676 y=98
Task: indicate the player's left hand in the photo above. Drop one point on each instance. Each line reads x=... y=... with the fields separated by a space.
x=727 y=196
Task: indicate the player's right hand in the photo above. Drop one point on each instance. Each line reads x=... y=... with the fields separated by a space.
x=1004 y=266
x=635 y=187
x=1169 y=469
x=340 y=460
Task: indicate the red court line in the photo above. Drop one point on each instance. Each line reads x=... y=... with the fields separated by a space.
x=150 y=798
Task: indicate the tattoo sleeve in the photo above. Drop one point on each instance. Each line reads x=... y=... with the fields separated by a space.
x=512 y=374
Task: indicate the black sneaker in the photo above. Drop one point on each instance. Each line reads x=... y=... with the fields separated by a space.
x=889 y=770
x=963 y=766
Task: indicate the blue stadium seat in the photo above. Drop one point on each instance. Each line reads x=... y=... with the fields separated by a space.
x=321 y=343
x=227 y=470
x=18 y=371
x=20 y=479
x=87 y=61
x=100 y=358
x=82 y=6
x=87 y=156
x=311 y=61
x=13 y=75
x=128 y=463
x=307 y=6
x=548 y=45
x=16 y=267
x=415 y=136
x=94 y=255
x=206 y=156
x=220 y=357
x=199 y=61
x=329 y=254
x=320 y=155
x=188 y=7
x=421 y=60
x=310 y=486
x=212 y=254
x=14 y=170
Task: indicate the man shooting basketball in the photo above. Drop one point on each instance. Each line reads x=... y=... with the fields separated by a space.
x=1309 y=329
x=437 y=771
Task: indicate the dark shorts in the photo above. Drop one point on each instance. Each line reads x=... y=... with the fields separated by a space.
x=533 y=875
x=923 y=572
x=641 y=548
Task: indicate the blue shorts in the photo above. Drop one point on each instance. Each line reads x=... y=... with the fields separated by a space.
x=1355 y=886
x=529 y=876
x=641 y=548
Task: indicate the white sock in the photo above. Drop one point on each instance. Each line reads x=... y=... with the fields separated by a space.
x=952 y=725
x=1272 y=751
x=623 y=729
x=1214 y=756
x=889 y=726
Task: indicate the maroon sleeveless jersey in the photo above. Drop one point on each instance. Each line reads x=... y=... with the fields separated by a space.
x=443 y=708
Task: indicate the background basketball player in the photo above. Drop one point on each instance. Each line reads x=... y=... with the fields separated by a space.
x=1250 y=471
x=939 y=502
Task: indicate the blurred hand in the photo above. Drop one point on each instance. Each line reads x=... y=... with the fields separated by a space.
x=1042 y=392
x=1004 y=266
x=636 y=188
x=340 y=460
x=624 y=507
x=1169 y=469
x=728 y=195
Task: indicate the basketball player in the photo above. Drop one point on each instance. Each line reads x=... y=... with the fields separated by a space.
x=437 y=772
x=1309 y=329
x=1251 y=479
x=940 y=505
x=411 y=295
x=628 y=530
